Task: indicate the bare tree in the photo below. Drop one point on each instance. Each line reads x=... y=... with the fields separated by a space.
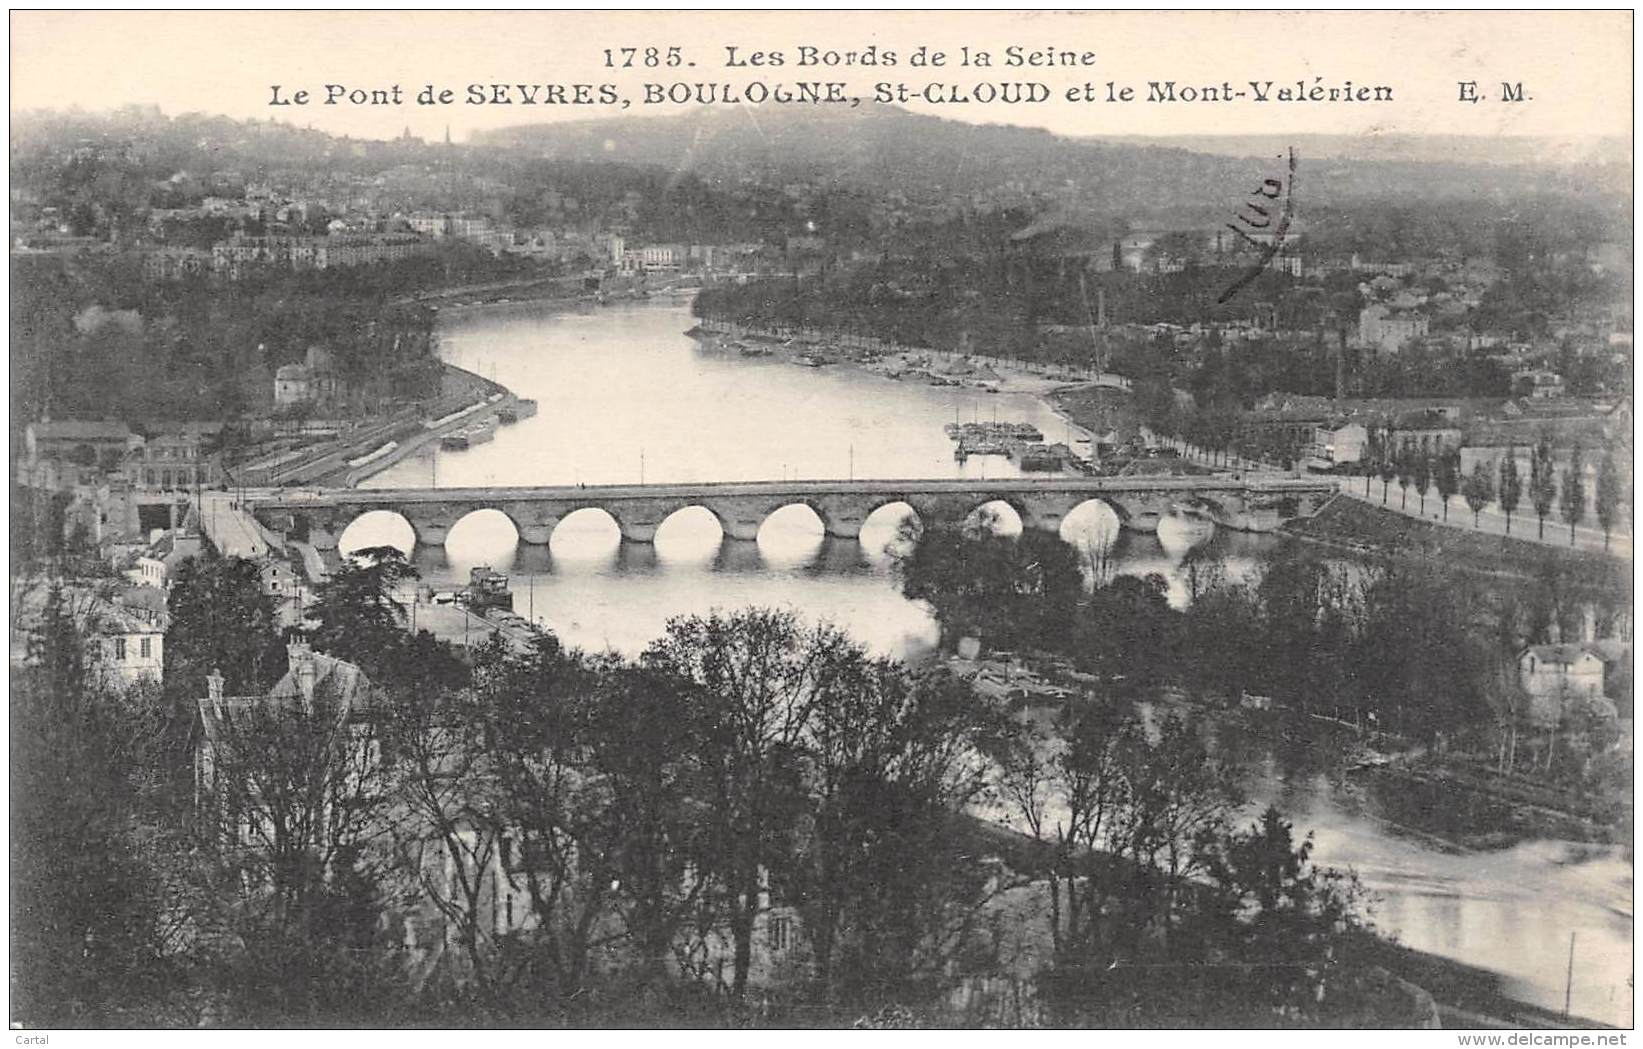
x=294 y=809
x=447 y=844
x=758 y=675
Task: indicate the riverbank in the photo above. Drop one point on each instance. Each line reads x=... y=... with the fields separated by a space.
x=532 y=287
x=466 y=399
x=1441 y=799
x=1353 y=526
x=1381 y=811
x=942 y=368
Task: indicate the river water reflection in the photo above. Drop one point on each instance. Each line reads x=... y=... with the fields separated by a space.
x=624 y=395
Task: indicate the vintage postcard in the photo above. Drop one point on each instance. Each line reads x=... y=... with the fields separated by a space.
x=822 y=519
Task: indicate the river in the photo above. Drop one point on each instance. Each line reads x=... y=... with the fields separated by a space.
x=625 y=396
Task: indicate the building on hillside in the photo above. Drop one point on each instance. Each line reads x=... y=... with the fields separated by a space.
x=1558 y=676
x=1537 y=383
x=176 y=263
x=279 y=580
x=654 y=257
x=1428 y=432
x=231 y=258
x=1339 y=443
x=176 y=457
x=176 y=546
x=88 y=442
x=429 y=223
x=315 y=686
x=143 y=570
x=312 y=382
x=122 y=645
x=1386 y=331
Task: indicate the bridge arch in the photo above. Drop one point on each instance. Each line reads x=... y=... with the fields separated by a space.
x=585 y=532
x=1093 y=523
x=680 y=530
x=789 y=509
x=882 y=524
x=1009 y=515
x=376 y=527
x=486 y=530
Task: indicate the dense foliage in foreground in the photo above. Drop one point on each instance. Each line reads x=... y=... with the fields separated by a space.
x=655 y=798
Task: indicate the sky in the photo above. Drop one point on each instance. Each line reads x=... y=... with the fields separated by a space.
x=1575 y=67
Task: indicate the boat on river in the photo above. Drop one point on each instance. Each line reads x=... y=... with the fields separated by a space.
x=522 y=408
x=486 y=590
x=468 y=436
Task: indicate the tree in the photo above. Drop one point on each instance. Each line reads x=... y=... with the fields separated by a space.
x=294 y=819
x=1180 y=799
x=1611 y=493
x=1371 y=459
x=646 y=773
x=1542 y=481
x=1011 y=590
x=1127 y=628
x=448 y=844
x=885 y=887
x=1406 y=473
x=357 y=612
x=86 y=933
x=1296 y=594
x=1447 y=476
x=221 y=620
x=1027 y=781
x=549 y=815
x=1479 y=489
x=1573 y=499
x=1511 y=486
x=1387 y=463
x=1437 y=681
x=1089 y=784
x=1296 y=913
x=756 y=679
x=1423 y=478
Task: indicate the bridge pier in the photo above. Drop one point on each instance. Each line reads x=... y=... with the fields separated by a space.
x=638 y=531
x=537 y=534
x=741 y=529
x=1043 y=522
x=322 y=538
x=430 y=533
x=1145 y=521
x=842 y=527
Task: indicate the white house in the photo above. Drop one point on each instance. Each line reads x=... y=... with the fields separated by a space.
x=124 y=646
x=143 y=570
x=1337 y=443
x=1555 y=675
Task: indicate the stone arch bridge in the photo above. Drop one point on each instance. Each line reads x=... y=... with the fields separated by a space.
x=1249 y=504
